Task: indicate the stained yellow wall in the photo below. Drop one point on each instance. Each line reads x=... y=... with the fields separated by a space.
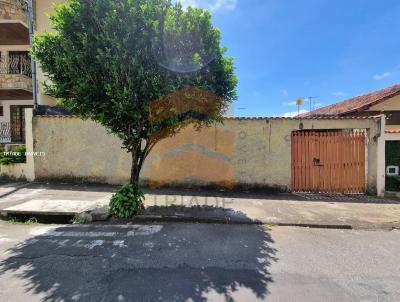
x=240 y=152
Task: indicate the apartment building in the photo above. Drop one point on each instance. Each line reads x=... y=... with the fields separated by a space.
x=15 y=70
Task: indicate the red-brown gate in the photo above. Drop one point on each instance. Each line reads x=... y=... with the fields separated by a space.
x=328 y=161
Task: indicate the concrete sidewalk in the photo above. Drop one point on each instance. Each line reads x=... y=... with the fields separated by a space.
x=314 y=210
x=358 y=212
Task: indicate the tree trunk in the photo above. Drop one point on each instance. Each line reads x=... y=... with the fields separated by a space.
x=138 y=157
x=135 y=170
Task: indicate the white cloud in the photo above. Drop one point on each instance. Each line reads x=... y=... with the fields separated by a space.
x=338 y=93
x=284 y=92
x=211 y=5
x=290 y=103
x=294 y=113
x=382 y=75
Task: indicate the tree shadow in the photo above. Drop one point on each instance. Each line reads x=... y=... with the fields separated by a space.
x=180 y=262
x=198 y=213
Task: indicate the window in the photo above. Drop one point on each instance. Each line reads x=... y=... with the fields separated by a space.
x=1 y=111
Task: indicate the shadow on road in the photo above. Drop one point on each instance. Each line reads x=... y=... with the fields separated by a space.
x=171 y=262
x=201 y=213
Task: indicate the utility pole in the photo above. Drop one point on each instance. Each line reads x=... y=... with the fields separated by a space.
x=33 y=63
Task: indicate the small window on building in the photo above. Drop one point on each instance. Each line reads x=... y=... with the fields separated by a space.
x=1 y=111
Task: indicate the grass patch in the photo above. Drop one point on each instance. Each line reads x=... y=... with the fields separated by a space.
x=17 y=220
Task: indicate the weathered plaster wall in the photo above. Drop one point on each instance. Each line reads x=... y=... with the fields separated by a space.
x=17 y=171
x=392 y=136
x=392 y=104
x=30 y=169
x=255 y=152
x=43 y=23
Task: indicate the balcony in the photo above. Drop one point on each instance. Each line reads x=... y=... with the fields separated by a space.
x=15 y=76
x=14 y=22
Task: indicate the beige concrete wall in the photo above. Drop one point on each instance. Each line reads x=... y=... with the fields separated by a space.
x=392 y=136
x=43 y=8
x=17 y=171
x=30 y=164
x=253 y=152
x=392 y=104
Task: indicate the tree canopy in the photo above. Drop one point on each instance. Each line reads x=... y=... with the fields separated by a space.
x=141 y=68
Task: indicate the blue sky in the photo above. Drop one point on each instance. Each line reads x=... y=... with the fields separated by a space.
x=285 y=49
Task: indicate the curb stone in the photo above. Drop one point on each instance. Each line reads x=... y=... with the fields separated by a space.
x=193 y=219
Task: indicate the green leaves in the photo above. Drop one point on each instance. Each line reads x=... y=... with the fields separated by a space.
x=14 y=156
x=126 y=201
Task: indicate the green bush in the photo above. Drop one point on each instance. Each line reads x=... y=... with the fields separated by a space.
x=127 y=201
x=14 y=156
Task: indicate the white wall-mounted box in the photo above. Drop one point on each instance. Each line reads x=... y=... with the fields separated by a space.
x=392 y=170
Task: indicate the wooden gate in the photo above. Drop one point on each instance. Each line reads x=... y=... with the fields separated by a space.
x=328 y=161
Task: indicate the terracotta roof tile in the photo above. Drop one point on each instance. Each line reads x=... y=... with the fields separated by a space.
x=320 y=117
x=358 y=103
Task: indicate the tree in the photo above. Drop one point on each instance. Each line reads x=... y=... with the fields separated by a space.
x=142 y=68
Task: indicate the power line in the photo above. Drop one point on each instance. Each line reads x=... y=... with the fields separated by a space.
x=311 y=98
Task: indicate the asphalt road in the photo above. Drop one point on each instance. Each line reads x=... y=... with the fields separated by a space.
x=196 y=262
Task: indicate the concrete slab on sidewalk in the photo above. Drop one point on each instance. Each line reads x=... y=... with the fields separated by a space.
x=54 y=207
x=56 y=199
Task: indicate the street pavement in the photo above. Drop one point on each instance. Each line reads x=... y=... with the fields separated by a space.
x=196 y=262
